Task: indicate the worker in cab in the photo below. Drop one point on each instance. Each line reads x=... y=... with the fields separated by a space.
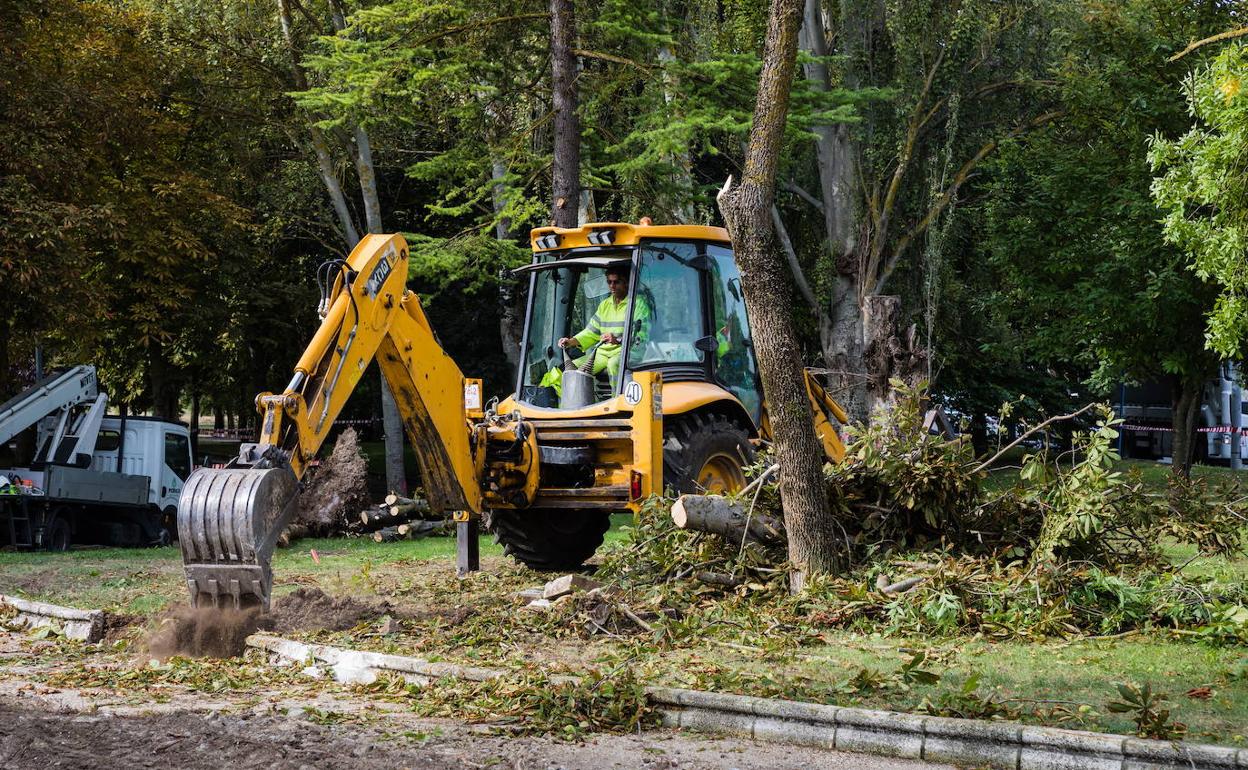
x=603 y=336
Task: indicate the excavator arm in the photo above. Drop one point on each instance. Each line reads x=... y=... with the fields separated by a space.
x=229 y=519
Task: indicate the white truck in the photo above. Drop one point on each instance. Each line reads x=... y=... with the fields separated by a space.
x=92 y=477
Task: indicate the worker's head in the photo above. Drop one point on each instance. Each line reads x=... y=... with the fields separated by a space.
x=617 y=282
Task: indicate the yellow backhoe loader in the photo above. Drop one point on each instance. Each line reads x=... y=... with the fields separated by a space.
x=637 y=374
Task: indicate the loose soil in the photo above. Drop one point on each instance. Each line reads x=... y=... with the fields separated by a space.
x=311 y=609
x=222 y=633
x=203 y=632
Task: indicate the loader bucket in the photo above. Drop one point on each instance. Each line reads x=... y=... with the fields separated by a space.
x=228 y=523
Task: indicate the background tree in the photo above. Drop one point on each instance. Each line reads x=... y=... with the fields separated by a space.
x=1202 y=188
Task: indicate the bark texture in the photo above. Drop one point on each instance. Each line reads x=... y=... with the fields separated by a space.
x=891 y=352
x=566 y=166
x=747 y=211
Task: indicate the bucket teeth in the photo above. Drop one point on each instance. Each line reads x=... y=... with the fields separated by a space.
x=228 y=523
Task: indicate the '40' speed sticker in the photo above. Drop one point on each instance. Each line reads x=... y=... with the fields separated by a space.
x=632 y=393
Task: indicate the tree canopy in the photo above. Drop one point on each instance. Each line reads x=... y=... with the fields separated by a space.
x=166 y=177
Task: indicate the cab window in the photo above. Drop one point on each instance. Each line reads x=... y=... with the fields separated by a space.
x=669 y=285
x=178 y=454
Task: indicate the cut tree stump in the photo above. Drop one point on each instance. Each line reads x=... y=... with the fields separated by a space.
x=726 y=518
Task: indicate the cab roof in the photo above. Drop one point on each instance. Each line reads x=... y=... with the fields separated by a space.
x=619 y=234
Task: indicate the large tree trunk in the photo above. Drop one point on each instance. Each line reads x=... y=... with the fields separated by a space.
x=510 y=308
x=747 y=209
x=844 y=350
x=833 y=149
x=566 y=166
x=392 y=421
x=891 y=353
x=841 y=335
x=1187 y=394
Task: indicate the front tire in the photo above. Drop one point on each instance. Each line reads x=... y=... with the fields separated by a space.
x=705 y=454
x=550 y=540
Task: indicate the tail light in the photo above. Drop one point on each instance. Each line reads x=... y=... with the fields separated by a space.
x=634 y=485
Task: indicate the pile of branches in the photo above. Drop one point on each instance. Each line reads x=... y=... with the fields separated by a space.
x=901 y=488
x=1071 y=546
x=336 y=502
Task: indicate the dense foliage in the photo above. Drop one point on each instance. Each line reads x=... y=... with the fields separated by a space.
x=1203 y=190
x=163 y=185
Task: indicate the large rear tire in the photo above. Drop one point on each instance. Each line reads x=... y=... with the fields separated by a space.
x=550 y=540
x=705 y=454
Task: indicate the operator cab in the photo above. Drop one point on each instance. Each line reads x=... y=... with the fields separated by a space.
x=680 y=312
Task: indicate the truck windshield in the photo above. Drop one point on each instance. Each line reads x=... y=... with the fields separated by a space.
x=587 y=305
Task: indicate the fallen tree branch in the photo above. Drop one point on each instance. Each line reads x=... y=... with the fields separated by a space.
x=988 y=463
x=902 y=586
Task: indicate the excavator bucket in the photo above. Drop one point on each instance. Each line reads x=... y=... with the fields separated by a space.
x=228 y=523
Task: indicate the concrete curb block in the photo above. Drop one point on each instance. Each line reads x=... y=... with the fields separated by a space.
x=1005 y=745
x=83 y=625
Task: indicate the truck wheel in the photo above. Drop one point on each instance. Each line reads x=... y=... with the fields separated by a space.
x=55 y=535
x=550 y=540
x=705 y=454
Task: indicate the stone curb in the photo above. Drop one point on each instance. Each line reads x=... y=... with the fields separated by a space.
x=83 y=625
x=979 y=743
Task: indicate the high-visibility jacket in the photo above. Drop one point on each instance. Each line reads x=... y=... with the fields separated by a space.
x=610 y=317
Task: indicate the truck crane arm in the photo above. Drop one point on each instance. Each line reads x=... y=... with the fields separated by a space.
x=229 y=519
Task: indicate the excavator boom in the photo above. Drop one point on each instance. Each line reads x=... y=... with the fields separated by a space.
x=229 y=519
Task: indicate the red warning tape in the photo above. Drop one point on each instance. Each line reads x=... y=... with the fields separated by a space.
x=1159 y=429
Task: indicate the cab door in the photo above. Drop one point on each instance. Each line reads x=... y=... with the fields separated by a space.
x=175 y=468
x=735 y=366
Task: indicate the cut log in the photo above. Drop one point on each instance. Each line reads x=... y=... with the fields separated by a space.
x=392 y=516
x=393 y=499
x=411 y=510
x=718 y=579
x=84 y=625
x=386 y=535
x=291 y=534
x=432 y=528
x=726 y=518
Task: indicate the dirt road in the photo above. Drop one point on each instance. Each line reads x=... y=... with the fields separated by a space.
x=32 y=737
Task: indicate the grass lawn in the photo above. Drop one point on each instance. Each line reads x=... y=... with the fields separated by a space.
x=1054 y=682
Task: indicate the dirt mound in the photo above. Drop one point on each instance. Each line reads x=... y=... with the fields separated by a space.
x=204 y=632
x=311 y=609
x=338 y=488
